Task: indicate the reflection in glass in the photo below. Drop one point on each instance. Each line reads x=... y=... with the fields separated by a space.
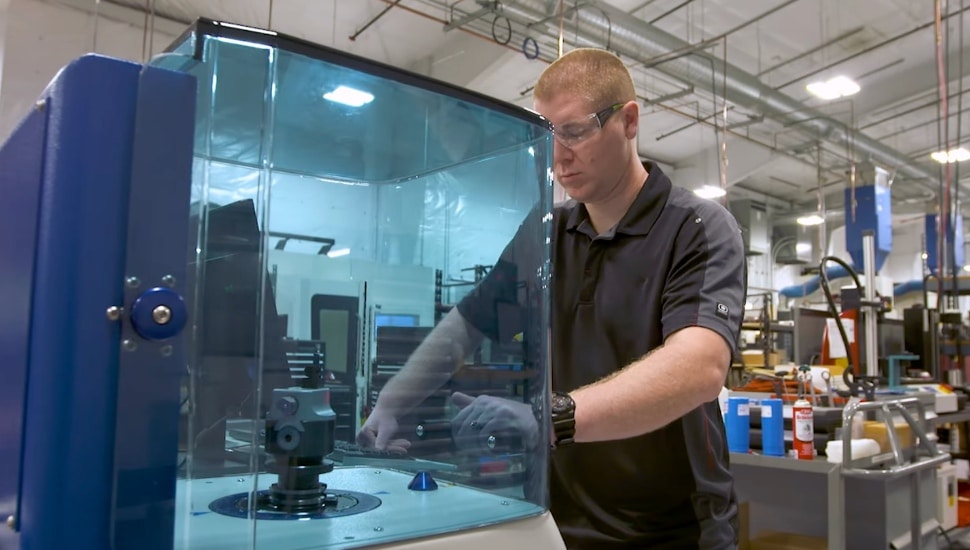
x=340 y=209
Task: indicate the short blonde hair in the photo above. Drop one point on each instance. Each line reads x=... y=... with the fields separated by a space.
x=599 y=77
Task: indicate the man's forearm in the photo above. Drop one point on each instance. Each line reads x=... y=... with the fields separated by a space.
x=655 y=390
x=431 y=365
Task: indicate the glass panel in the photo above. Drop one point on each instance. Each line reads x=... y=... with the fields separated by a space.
x=335 y=231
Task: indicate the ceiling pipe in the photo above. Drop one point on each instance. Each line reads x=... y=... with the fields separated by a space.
x=638 y=40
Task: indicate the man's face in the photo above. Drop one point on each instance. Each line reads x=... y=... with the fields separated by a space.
x=589 y=152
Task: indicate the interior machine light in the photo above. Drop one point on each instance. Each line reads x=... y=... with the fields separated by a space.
x=349 y=96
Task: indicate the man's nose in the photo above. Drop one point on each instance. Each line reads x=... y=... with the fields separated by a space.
x=560 y=153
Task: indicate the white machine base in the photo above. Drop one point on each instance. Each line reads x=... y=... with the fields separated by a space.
x=452 y=516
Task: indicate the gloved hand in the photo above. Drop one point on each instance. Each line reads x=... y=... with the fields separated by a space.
x=377 y=432
x=512 y=423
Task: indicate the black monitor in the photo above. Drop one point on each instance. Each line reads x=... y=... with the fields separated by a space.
x=234 y=279
x=231 y=344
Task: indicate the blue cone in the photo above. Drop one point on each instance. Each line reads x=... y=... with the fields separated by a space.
x=423 y=482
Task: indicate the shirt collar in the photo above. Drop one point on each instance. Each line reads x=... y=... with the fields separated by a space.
x=644 y=211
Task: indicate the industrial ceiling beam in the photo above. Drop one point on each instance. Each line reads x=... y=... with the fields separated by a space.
x=637 y=40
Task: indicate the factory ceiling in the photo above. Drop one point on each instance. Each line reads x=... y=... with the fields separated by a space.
x=723 y=82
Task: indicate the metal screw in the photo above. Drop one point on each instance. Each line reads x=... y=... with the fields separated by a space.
x=504 y=503
x=132 y=282
x=12 y=523
x=114 y=313
x=491 y=442
x=129 y=345
x=40 y=105
x=378 y=529
x=419 y=430
x=165 y=350
x=288 y=405
x=168 y=280
x=162 y=315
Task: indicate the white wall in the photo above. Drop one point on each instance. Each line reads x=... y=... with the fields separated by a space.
x=39 y=37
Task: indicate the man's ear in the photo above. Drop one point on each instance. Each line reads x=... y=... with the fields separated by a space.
x=631 y=119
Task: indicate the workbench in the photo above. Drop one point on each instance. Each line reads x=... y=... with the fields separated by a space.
x=794 y=496
x=813 y=498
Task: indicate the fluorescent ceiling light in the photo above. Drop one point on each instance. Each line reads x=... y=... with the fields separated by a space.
x=966 y=268
x=834 y=88
x=811 y=219
x=349 y=96
x=709 y=192
x=338 y=252
x=951 y=156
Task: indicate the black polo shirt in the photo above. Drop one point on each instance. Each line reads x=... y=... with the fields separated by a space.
x=673 y=261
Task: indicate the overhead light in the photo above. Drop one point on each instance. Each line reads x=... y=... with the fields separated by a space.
x=951 y=156
x=966 y=268
x=349 y=96
x=811 y=219
x=338 y=252
x=710 y=192
x=833 y=88
x=802 y=248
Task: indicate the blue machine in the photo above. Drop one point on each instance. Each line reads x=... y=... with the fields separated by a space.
x=872 y=212
x=867 y=208
x=197 y=254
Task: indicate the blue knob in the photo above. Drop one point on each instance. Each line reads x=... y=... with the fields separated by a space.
x=158 y=314
x=423 y=482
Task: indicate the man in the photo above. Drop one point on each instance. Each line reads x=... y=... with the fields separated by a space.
x=648 y=285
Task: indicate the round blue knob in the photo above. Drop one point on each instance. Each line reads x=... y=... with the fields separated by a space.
x=158 y=314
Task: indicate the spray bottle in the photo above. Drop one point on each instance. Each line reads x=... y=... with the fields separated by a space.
x=803 y=430
x=803 y=417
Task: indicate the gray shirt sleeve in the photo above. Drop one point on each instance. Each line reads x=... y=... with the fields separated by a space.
x=707 y=282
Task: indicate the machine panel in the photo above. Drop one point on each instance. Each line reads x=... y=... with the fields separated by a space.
x=20 y=181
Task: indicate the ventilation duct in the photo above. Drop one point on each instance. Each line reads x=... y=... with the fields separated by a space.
x=752 y=216
x=638 y=40
x=793 y=245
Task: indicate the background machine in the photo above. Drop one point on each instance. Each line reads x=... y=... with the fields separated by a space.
x=210 y=264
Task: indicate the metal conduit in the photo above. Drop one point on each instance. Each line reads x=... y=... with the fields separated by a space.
x=638 y=40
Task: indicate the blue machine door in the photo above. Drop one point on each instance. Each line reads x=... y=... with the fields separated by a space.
x=100 y=219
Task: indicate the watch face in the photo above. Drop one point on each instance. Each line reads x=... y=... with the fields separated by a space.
x=561 y=403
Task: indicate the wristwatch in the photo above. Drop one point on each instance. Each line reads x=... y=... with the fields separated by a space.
x=563 y=412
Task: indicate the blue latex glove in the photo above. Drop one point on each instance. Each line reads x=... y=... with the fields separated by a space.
x=512 y=424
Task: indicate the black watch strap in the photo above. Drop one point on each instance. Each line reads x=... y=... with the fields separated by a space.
x=563 y=413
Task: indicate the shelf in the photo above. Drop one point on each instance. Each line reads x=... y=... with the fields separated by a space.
x=953 y=417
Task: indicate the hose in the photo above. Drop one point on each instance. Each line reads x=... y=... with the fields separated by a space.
x=856 y=383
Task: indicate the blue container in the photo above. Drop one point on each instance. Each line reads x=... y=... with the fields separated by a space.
x=738 y=424
x=772 y=428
